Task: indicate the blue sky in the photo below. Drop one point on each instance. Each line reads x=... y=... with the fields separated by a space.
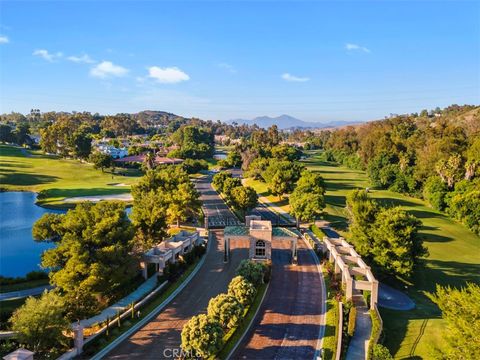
x=317 y=61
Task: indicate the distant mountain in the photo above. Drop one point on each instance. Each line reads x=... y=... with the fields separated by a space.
x=288 y=122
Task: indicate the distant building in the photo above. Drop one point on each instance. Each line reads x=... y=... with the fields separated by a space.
x=116 y=153
x=141 y=158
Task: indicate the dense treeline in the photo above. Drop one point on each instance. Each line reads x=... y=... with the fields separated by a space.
x=435 y=155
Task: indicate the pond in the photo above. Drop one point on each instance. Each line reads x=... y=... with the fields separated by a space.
x=19 y=253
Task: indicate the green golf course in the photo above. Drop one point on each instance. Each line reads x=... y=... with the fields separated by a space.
x=25 y=170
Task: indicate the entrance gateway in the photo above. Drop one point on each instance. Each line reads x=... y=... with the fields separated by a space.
x=260 y=235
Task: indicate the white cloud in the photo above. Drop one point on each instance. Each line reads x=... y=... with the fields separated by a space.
x=168 y=75
x=355 y=47
x=44 y=54
x=290 y=77
x=227 y=67
x=4 y=39
x=85 y=59
x=106 y=69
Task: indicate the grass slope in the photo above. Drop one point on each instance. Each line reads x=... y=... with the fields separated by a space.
x=25 y=170
x=454 y=259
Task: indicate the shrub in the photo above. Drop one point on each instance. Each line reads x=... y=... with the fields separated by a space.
x=202 y=336
x=226 y=309
x=380 y=352
x=351 y=321
x=251 y=271
x=40 y=323
x=243 y=290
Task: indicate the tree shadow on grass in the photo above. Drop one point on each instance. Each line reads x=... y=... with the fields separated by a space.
x=394 y=202
x=16 y=178
x=434 y=238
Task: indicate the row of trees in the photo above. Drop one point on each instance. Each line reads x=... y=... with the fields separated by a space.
x=242 y=198
x=203 y=335
x=386 y=237
x=411 y=154
x=18 y=135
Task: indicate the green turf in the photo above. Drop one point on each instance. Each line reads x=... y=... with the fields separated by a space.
x=25 y=170
x=454 y=259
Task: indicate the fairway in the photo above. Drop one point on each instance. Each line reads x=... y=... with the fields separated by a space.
x=454 y=259
x=25 y=170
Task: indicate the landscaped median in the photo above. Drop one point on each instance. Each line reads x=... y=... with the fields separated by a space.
x=217 y=334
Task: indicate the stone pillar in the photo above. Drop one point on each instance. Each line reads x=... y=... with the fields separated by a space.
x=143 y=265
x=78 y=338
x=344 y=274
x=374 y=294
x=349 y=289
x=337 y=268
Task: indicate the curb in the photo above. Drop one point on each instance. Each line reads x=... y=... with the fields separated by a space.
x=153 y=313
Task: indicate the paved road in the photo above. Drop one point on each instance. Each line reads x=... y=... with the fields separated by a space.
x=219 y=215
x=24 y=293
x=288 y=324
x=158 y=338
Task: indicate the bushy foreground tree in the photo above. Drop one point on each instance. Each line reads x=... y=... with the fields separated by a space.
x=93 y=255
x=461 y=310
x=226 y=309
x=202 y=336
x=40 y=322
x=251 y=271
x=387 y=236
x=242 y=289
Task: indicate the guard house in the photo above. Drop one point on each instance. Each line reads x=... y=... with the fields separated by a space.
x=260 y=235
x=170 y=250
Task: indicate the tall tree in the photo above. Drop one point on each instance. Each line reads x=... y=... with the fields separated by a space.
x=461 y=310
x=281 y=176
x=244 y=198
x=40 y=324
x=397 y=246
x=94 y=253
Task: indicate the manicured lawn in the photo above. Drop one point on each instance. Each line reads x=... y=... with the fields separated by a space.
x=25 y=170
x=454 y=259
x=262 y=189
